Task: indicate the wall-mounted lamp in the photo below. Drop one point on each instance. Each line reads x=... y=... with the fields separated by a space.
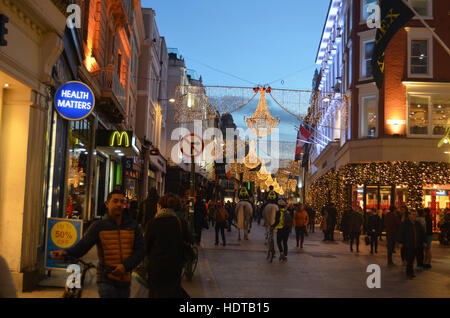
x=396 y=125
x=395 y=122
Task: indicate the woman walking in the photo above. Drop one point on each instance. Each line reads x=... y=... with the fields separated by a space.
x=164 y=240
x=300 y=221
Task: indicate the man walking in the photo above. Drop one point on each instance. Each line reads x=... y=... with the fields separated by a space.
x=120 y=247
x=312 y=218
x=391 y=224
x=331 y=221
x=373 y=230
x=411 y=237
x=283 y=225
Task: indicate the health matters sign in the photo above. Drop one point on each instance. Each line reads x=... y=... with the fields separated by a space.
x=74 y=101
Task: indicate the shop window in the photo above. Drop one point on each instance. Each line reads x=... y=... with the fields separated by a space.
x=79 y=145
x=385 y=198
x=418 y=115
x=440 y=115
x=401 y=196
x=358 y=196
x=436 y=198
x=371 y=197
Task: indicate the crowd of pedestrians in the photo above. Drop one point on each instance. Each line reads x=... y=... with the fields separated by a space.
x=152 y=236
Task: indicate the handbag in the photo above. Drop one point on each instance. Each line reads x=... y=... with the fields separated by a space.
x=186 y=248
x=367 y=240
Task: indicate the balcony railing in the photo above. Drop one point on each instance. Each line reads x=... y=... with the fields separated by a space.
x=111 y=86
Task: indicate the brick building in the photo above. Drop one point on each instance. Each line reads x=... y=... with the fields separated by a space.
x=379 y=148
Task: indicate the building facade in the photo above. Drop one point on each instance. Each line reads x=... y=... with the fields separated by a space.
x=153 y=66
x=379 y=148
x=32 y=46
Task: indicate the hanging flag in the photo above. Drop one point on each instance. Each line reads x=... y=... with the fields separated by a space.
x=227 y=171
x=302 y=136
x=394 y=15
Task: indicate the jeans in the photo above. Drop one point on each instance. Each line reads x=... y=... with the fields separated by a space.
x=410 y=255
x=354 y=237
x=311 y=227
x=106 y=290
x=220 y=227
x=373 y=241
x=300 y=234
x=330 y=232
x=390 y=246
x=282 y=240
x=419 y=256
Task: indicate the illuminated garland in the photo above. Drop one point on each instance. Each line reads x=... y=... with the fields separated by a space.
x=412 y=175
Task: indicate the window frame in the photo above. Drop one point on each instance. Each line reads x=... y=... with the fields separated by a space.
x=420 y=34
x=429 y=10
x=368 y=95
x=430 y=98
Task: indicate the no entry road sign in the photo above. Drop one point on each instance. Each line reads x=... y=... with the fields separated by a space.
x=192 y=146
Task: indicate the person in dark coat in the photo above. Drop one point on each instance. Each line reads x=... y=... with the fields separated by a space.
x=373 y=230
x=331 y=221
x=312 y=218
x=345 y=224
x=411 y=236
x=164 y=237
x=429 y=238
x=391 y=224
x=200 y=219
x=403 y=211
x=147 y=209
x=355 y=222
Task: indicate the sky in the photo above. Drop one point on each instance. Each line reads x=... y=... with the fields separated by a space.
x=258 y=42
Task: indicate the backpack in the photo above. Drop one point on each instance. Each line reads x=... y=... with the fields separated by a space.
x=287 y=220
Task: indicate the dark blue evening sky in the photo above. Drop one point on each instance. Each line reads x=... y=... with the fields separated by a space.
x=259 y=41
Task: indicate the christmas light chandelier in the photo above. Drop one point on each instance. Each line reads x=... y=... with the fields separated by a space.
x=263 y=174
x=262 y=123
x=251 y=160
x=269 y=181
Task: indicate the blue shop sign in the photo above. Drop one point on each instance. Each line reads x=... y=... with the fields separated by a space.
x=74 y=101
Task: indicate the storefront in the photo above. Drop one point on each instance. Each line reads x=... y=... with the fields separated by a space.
x=117 y=165
x=382 y=185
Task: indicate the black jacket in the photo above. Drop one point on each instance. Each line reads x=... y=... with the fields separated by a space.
x=355 y=221
x=345 y=222
x=332 y=215
x=200 y=215
x=163 y=240
x=374 y=224
x=405 y=234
